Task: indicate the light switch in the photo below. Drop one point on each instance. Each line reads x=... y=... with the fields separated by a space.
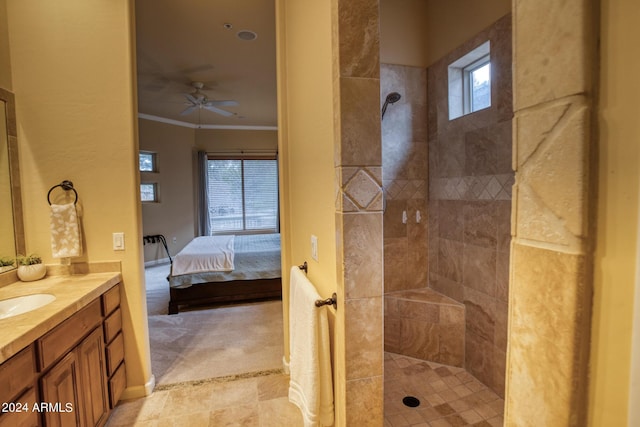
x=314 y=247
x=118 y=241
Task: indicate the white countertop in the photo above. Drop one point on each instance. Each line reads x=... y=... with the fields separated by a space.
x=72 y=292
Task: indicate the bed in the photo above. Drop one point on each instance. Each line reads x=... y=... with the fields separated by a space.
x=253 y=273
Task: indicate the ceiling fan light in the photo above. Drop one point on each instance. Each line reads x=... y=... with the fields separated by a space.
x=247 y=35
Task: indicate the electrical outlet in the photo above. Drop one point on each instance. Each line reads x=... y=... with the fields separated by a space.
x=314 y=247
x=174 y=240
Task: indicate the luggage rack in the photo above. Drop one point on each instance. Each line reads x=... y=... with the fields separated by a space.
x=158 y=238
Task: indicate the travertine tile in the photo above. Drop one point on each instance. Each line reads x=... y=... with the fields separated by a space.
x=363 y=275
x=360 y=131
x=553 y=138
x=363 y=337
x=479 y=269
x=540 y=70
x=365 y=401
x=480 y=223
x=449 y=260
x=550 y=303
x=440 y=404
x=359 y=41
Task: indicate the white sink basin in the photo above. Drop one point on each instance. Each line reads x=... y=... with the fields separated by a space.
x=18 y=305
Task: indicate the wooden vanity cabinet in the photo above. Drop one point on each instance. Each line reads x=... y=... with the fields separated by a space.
x=71 y=376
x=115 y=345
x=19 y=390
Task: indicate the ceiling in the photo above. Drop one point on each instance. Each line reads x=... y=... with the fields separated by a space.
x=182 y=41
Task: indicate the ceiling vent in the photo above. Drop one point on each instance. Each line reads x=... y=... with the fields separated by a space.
x=247 y=35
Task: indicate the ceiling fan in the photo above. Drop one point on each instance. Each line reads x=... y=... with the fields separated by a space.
x=198 y=100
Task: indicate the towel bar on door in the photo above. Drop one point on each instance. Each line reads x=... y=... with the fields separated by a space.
x=329 y=301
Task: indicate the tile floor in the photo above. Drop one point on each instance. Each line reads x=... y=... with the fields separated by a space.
x=229 y=401
x=448 y=396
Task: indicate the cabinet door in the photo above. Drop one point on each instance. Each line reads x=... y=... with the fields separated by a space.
x=60 y=393
x=25 y=413
x=93 y=379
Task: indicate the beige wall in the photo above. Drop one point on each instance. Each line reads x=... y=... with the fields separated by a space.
x=419 y=32
x=451 y=23
x=5 y=59
x=71 y=66
x=306 y=144
x=404 y=32
x=212 y=140
x=619 y=186
x=174 y=215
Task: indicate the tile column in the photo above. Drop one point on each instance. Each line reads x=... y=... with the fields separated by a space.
x=551 y=251
x=358 y=163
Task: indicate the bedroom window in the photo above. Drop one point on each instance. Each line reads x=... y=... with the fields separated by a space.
x=148 y=162
x=243 y=195
x=149 y=192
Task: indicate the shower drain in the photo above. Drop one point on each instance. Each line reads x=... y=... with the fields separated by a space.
x=411 y=401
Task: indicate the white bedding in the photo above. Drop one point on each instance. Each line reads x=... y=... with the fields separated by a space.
x=205 y=253
x=256 y=257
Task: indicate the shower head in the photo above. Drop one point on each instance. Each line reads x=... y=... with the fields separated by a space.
x=392 y=98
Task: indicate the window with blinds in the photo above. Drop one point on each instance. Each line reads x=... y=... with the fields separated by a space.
x=243 y=195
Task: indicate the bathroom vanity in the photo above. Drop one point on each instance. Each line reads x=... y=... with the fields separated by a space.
x=63 y=364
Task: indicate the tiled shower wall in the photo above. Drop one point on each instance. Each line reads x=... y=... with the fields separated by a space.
x=404 y=177
x=470 y=179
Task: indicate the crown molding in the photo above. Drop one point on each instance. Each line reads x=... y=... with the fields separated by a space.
x=195 y=126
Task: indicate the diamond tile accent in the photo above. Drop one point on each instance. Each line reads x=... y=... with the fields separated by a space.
x=486 y=187
x=362 y=190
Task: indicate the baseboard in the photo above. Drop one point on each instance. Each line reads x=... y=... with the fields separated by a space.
x=138 y=391
x=156 y=262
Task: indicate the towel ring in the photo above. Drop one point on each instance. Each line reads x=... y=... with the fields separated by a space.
x=66 y=186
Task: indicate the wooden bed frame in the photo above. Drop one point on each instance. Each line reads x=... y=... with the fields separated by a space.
x=224 y=292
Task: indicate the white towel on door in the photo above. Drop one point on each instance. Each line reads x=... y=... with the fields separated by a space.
x=311 y=382
x=65 y=231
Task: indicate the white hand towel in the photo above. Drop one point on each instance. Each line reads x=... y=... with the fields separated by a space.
x=311 y=382
x=65 y=231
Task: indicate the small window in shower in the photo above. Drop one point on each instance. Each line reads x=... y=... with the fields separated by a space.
x=470 y=82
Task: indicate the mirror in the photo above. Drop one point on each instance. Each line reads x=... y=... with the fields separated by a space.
x=11 y=226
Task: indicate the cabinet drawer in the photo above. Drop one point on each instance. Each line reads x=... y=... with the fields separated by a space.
x=117 y=383
x=111 y=300
x=112 y=325
x=17 y=374
x=115 y=354
x=27 y=417
x=66 y=335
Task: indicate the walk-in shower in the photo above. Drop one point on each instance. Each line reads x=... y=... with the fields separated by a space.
x=392 y=98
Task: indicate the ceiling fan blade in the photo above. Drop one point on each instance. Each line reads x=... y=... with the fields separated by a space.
x=218 y=111
x=191 y=98
x=188 y=110
x=223 y=103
